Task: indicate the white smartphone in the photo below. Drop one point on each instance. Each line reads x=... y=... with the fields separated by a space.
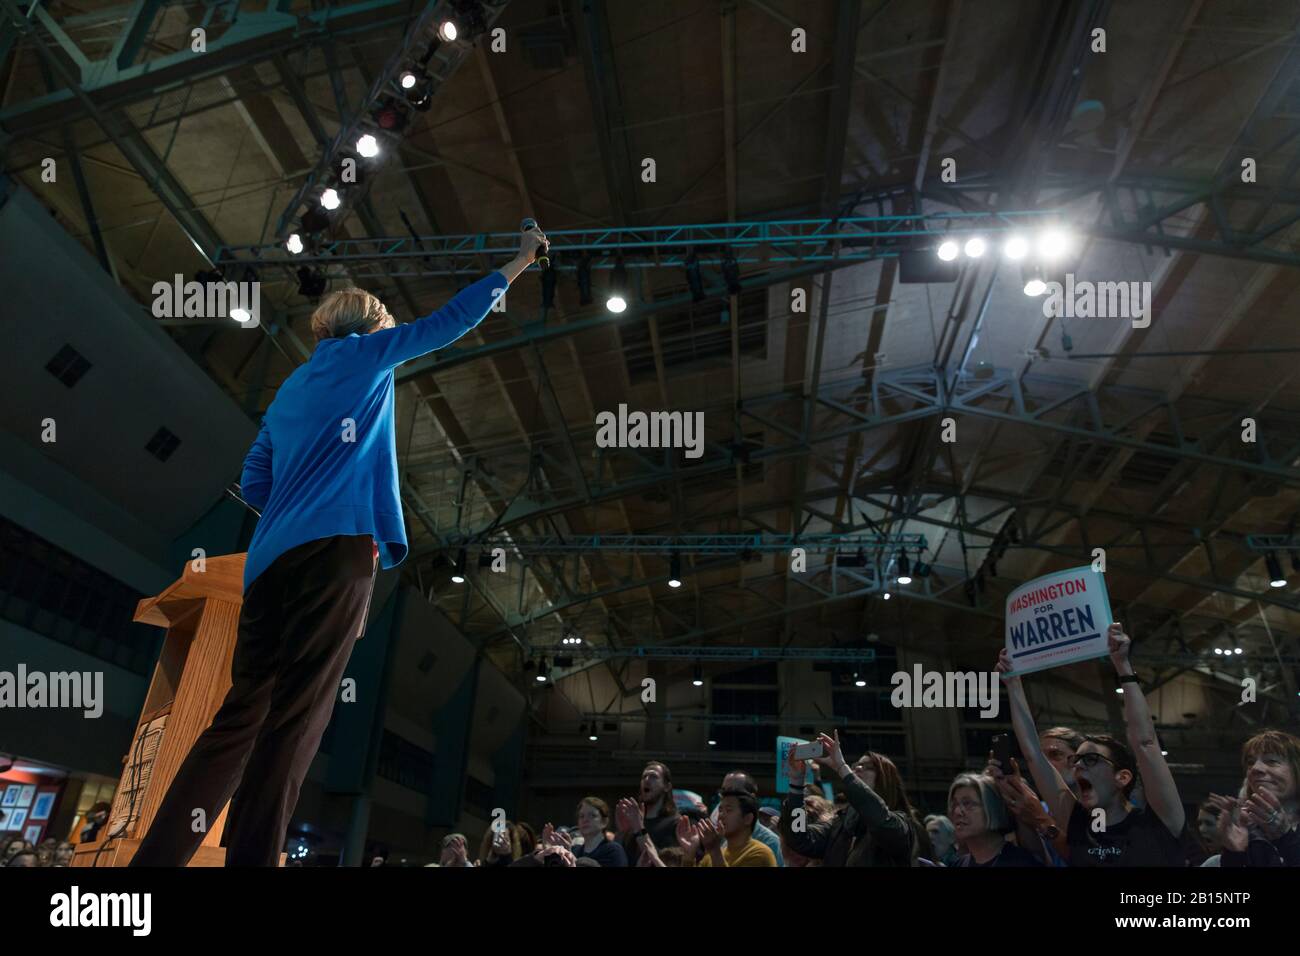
x=812 y=749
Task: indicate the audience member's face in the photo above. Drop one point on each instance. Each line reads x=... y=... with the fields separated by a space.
x=1097 y=786
x=12 y=849
x=1207 y=827
x=652 y=785
x=730 y=818
x=63 y=855
x=26 y=858
x=1272 y=772
x=865 y=771
x=590 y=823
x=1058 y=753
x=939 y=839
x=966 y=812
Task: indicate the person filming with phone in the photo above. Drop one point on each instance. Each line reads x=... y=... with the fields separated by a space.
x=877 y=828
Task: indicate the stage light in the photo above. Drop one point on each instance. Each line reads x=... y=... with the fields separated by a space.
x=698 y=680
x=240 y=315
x=368 y=146
x=1218 y=651
x=1015 y=248
x=458 y=576
x=329 y=199
x=542 y=671
x=731 y=275
x=409 y=80
x=294 y=244
x=675 y=571
x=448 y=31
x=858 y=681
x=1276 y=579
x=904 y=569
x=886 y=595
x=311 y=282
x=713 y=743
x=591 y=737
x=617 y=300
x=1035 y=287
x=1238 y=650
x=975 y=247
x=1119 y=690
x=948 y=250
x=584 y=279
x=693 y=277
x=1053 y=244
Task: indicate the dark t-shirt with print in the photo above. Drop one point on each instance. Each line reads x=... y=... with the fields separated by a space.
x=1140 y=839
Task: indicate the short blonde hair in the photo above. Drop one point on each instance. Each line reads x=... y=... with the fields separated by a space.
x=346 y=311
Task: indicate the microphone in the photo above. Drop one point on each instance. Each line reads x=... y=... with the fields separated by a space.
x=541 y=258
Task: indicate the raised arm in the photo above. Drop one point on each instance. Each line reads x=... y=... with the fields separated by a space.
x=1046 y=778
x=811 y=839
x=885 y=826
x=1157 y=782
x=255 y=480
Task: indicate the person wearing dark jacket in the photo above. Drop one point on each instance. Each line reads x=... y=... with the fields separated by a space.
x=653 y=815
x=877 y=828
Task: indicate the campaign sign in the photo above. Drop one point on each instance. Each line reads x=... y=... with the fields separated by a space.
x=783 y=747
x=1058 y=619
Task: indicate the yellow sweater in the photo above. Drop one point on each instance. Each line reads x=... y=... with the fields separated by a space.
x=752 y=853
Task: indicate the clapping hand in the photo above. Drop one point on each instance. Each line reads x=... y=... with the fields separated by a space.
x=629 y=816
x=1232 y=832
x=708 y=835
x=687 y=838
x=1264 y=812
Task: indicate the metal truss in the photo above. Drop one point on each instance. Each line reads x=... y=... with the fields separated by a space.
x=851 y=655
x=738 y=544
x=753 y=243
x=118 y=80
x=1273 y=542
x=735 y=720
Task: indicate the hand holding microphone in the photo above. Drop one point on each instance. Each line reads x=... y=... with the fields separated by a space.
x=534 y=246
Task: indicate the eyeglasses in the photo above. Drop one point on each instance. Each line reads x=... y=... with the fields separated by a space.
x=1089 y=760
x=970 y=806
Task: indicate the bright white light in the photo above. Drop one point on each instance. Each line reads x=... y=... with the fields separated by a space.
x=947 y=250
x=329 y=199
x=541 y=678
x=860 y=683
x=408 y=80
x=447 y=30
x=458 y=578
x=697 y=682
x=886 y=595
x=1164 y=753
x=1238 y=651
x=975 y=247
x=294 y=244
x=1016 y=248
x=713 y=743
x=1035 y=287
x=674 y=583
x=591 y=736
x=1053 y=244
x=1119 y=690
x=1277 y=583
x=904 y=579
x=1219 y=651
x=240 y=315
x=616 y=303
x=368 y=146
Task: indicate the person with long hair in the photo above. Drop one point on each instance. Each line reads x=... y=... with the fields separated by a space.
x=877 y=828
x=1101 y=825
x=502 y=845
x=1259 y=828
x=653 y=816
x=981 y=823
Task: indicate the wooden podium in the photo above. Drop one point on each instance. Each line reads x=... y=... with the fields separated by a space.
x=201 y=614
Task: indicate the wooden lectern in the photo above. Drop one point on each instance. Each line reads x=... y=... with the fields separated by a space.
x=201 y=614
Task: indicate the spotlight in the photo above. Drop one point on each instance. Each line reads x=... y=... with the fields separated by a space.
x=712 y=742
x=1035 y=287
x=904 y=569
x=675 y=571
x=311 y=282
x=591 y=737
x=1053 y=244
x=947 y=250
x=698 y=680
x=368 y=146
x=858 y=681
x=1015 y=248
x=1218 y=651
x=542 y=671
x=240 y=315
x=408 y=80
x=975 y=247
x=584 y=279
x=886 y=595
x=617 y=300
x=693 y=277
x=731 y=275
x=458 y=576
x=329 y=199
x=294 y=244
x=1276 y=579
x=1119 y=690
x=1237 y=650
x=448 y=31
